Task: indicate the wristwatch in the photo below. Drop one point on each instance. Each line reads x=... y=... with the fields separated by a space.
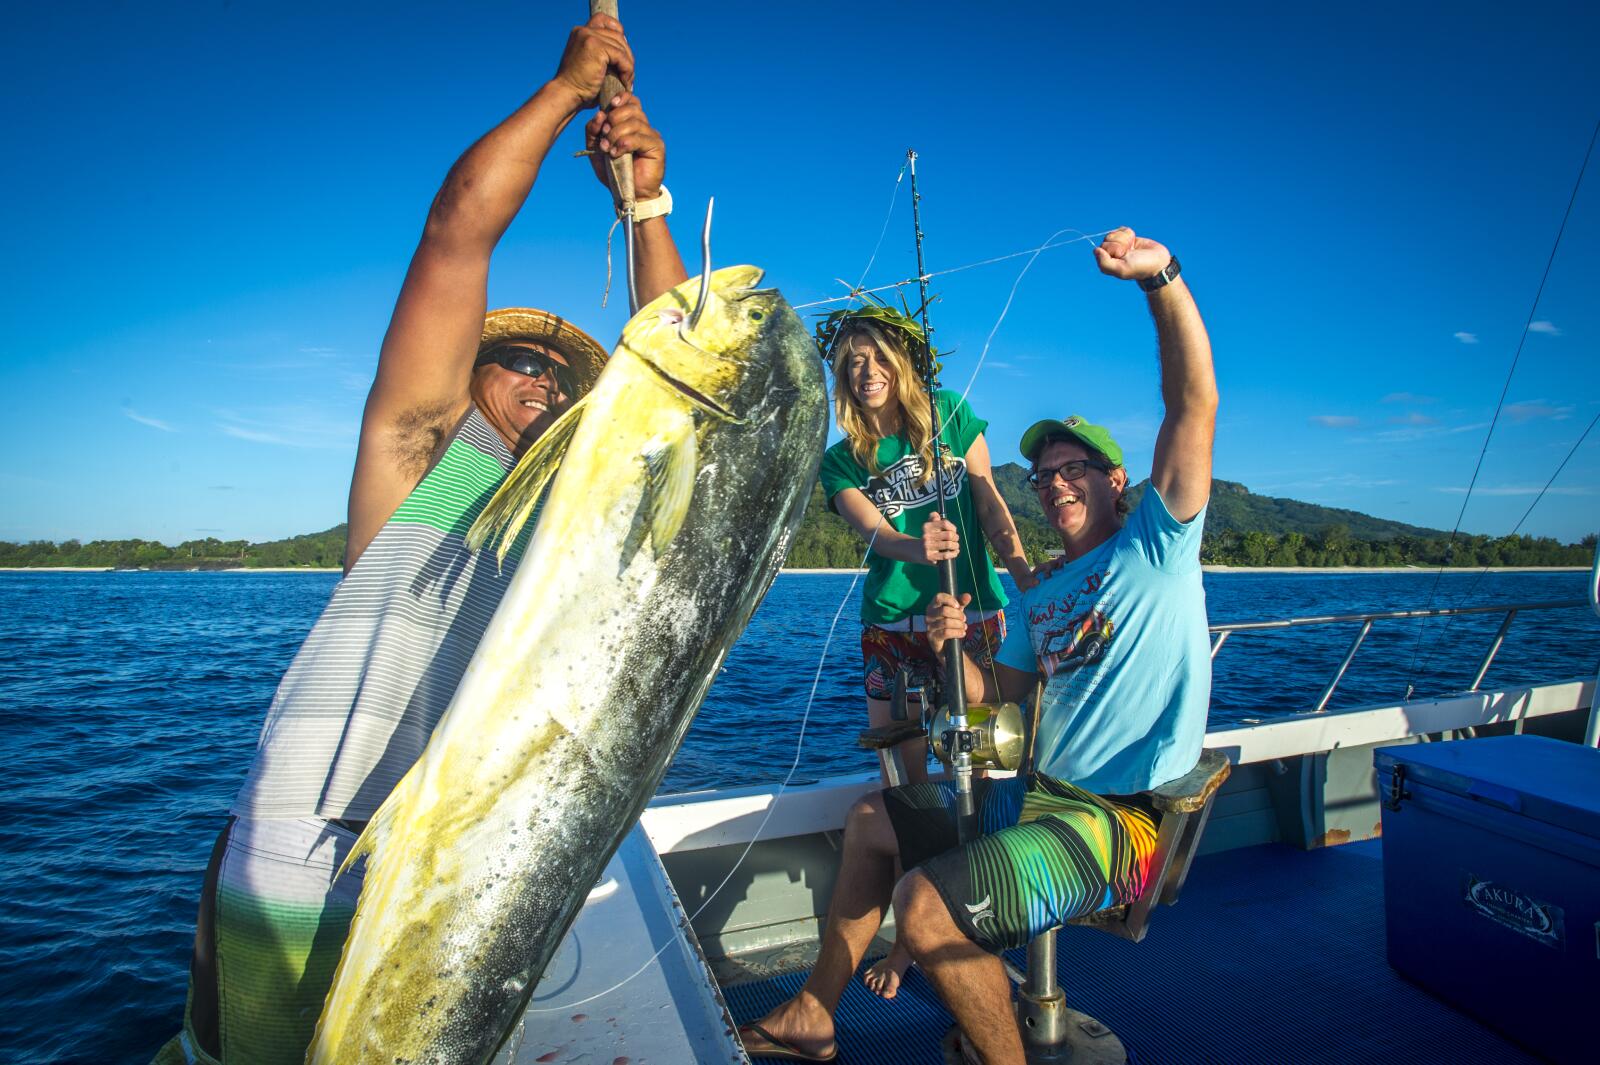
x=1164 y=278
x=644 y=210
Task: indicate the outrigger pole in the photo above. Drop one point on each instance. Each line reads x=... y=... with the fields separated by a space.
x=621 y=169
x=958 y=738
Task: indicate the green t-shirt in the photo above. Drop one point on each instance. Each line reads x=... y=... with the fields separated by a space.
x=897 y=590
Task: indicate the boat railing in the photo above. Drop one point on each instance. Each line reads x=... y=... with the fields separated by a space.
x=1220 y=633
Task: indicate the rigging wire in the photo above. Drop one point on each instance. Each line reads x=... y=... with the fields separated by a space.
x=888 y=216
x=1499 y=405
x=1467 y=595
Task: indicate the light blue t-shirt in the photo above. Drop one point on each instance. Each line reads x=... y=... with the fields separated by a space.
x=1121 y=636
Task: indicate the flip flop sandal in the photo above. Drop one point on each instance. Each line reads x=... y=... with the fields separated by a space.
x=778 y=1048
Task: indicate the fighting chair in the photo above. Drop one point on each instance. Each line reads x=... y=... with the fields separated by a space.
x=1053 y=1032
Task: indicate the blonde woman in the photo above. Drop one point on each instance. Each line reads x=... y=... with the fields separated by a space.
x=880 y=479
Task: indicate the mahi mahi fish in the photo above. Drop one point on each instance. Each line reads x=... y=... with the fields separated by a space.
x=682 y=477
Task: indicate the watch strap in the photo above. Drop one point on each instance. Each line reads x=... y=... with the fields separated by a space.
x=1162 y=279
x=651 y=208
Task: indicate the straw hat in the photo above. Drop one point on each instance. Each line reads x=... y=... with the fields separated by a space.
x=584 y=354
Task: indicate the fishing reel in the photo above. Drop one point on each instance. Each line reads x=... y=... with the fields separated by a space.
x=993 y=736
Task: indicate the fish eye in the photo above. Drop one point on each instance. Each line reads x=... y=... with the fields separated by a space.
x=756 y=316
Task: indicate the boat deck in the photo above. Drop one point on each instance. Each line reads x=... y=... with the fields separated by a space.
x=1274 y=955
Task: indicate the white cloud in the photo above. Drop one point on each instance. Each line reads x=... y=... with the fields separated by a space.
x=1521 y=490
x=1416 y=430
x=1413 y=418
x=1535 y=409
x=1336 y=480
x=1336 y=421
x=257 y=436
x=1466 y=338
x=1546 y=327
x=144 y=419
x=305 y=426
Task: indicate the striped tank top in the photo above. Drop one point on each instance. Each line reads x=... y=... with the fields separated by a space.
x=378 y=669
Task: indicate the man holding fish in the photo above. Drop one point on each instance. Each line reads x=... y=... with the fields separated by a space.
x=1117 y=634
x=459 y=395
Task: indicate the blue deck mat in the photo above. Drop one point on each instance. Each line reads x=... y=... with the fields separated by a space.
x=1273 y=956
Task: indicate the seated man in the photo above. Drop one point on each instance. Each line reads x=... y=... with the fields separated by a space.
x=459 y=396
x=1118 y=634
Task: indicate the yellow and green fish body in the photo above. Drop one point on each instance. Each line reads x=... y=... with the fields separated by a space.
x=682 y=476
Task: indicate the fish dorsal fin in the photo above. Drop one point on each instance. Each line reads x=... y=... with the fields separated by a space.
x=672 y=458
x=511 y=506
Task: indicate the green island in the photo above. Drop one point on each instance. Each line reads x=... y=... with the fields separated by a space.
x=1242 y=529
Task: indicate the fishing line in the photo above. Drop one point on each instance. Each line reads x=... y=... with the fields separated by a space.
x=805 y=716
x=772 y=807
x=972 y=564
x=859 y=292
x=1013 y=295
x=1516 y=357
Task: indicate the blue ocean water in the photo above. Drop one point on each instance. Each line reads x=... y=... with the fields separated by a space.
x=130 y=704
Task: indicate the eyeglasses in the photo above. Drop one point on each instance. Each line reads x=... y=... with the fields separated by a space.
x=1067 y=471
x=530 y=363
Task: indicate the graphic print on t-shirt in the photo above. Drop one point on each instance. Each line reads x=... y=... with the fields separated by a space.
x=1073 y=630
x=897 y=488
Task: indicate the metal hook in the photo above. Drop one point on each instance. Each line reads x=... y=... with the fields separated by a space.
x=705 y=266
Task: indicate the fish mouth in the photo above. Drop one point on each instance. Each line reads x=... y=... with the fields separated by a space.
x=697 y=398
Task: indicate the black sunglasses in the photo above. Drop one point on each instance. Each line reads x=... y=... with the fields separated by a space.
x=534 y=364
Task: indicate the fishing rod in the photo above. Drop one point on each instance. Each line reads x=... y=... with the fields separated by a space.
x=958 y=738
x=622 y=168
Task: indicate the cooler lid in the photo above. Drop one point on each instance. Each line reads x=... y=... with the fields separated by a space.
x=1547 y=780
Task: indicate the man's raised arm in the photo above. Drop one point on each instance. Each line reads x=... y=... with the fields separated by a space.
x=1181 y=471
x=425 y=365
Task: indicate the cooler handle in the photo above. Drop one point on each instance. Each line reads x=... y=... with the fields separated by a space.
x=1495 y=795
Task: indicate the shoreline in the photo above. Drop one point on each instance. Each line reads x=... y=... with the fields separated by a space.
x=1336 y=570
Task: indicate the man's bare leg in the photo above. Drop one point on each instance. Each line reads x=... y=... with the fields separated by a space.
x=970 y=981
x=860 y=898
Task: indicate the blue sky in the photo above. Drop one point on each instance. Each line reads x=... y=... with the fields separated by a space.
x=209 y=209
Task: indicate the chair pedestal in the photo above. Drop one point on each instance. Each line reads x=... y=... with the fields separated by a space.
x=1052 y=1032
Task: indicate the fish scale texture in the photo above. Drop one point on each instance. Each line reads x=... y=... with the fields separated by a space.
x=1273 y=956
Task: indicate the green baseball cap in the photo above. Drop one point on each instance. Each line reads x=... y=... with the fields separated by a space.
x=1093 y=437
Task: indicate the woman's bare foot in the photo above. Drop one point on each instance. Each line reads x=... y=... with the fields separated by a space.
x=883 y=977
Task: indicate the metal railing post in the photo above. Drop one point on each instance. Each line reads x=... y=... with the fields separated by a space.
x=1327 y=693
x=1494 y=649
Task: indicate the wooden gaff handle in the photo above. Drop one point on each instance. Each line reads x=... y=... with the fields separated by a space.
x=621 y=169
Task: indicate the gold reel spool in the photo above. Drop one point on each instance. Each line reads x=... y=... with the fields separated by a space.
x=996 y=735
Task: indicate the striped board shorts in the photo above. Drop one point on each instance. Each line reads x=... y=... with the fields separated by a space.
x=280 y=926
x=1049 y=852
x=884 y=651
